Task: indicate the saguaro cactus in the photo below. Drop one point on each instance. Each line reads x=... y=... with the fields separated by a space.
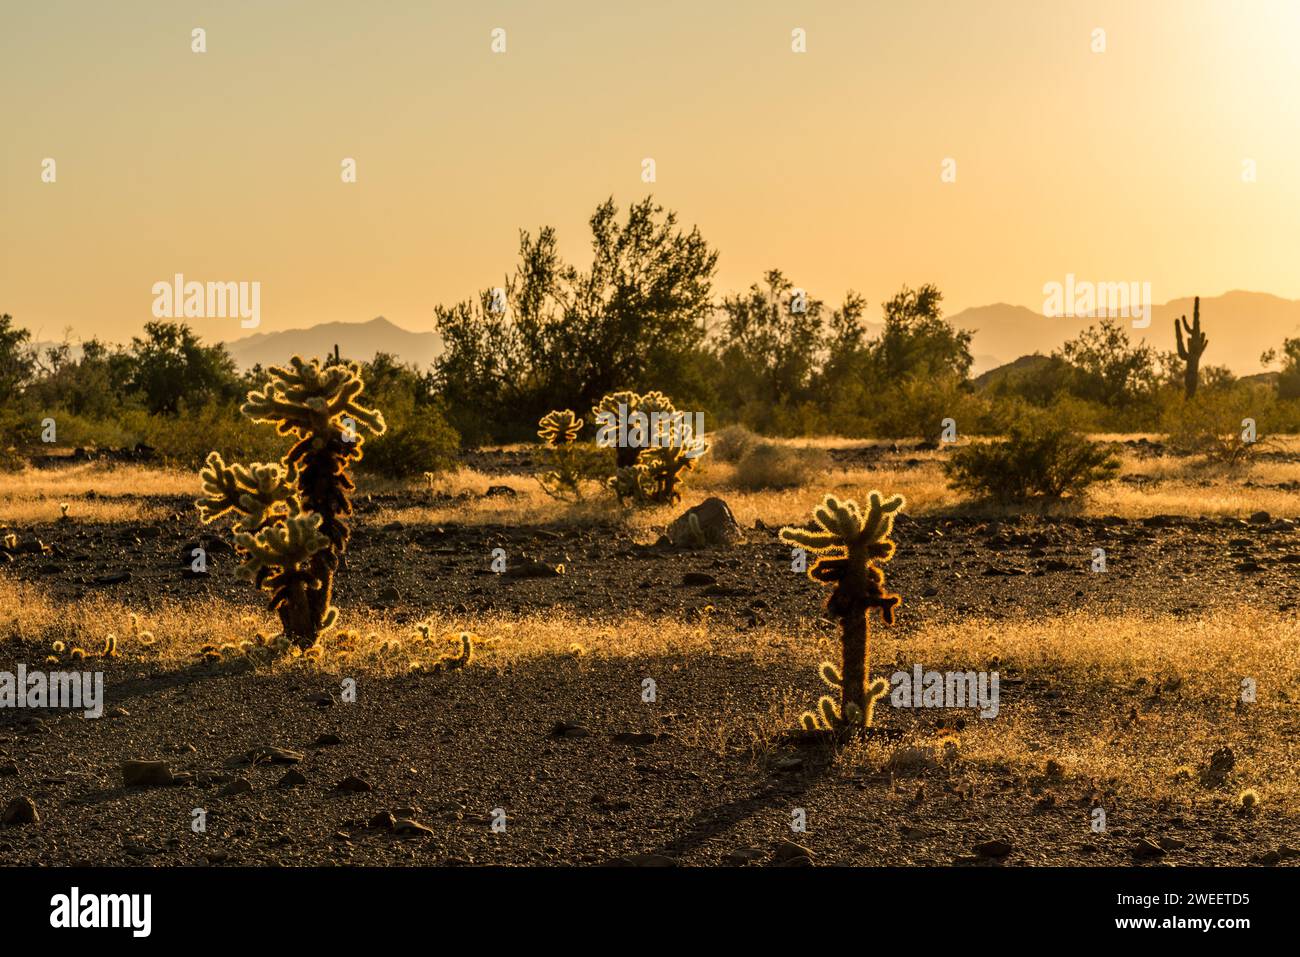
x=289 y=530
x=1194 y=348
x=850 y=547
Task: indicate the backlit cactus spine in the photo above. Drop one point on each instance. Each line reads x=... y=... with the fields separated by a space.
x=289 y=529
x=659 y=446
x=850 y=547
x=558 y=431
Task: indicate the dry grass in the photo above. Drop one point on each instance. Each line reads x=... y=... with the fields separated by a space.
x=1173 y=485
x=1132 y=699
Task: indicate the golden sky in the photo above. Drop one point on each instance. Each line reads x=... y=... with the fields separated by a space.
x=1125 y=165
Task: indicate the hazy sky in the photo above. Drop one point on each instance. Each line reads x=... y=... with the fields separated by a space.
x=1125 y=165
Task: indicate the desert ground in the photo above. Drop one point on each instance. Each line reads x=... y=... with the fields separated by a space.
x=1118 y=688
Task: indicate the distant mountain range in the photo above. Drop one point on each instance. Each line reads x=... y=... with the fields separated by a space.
x=1240 y=326
x=355 y=340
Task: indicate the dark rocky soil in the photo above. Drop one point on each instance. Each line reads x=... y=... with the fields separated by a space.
x=633 y=782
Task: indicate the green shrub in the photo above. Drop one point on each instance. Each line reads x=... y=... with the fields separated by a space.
x=770 y=466
x=424 y=442
x=1039 y=459
x=731 y=443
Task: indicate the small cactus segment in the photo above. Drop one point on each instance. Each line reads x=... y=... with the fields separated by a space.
x=288 y=516
x=850 y=547
x=559 y=430
x=1192 y=350
x=650 y=468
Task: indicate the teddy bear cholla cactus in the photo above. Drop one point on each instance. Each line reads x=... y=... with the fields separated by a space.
x=289 y=530
x=651 y=468
x=559 y=430
x=850 y=547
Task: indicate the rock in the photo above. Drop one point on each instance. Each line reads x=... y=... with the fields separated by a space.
x=647 y=860
x=788 y=764
x=8 y=769
x=21 y=810
x=267 y=754
x=384 y=821
x=1170 y=843
x=1147 y=848
x=293 y=778
x=237 y=786
x=994 y=849
x=1260 y=518
x=1221 y=764
x=389 y=594
x=410 y=828
x=714 y=525
x=496 y=491
x=328 y=740
x=146 y=774
x=533 y=569
x=393 y=526
x=569 y=729
x=789 y=854
x=635 y=739
x=354 y=784
x=744 y=855
x=113 y=578
x=698 y=578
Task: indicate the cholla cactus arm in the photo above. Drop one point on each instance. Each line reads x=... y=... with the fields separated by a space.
x=849 y=545
x=560 y=427
x=224 y=487
x=312 y=402
x=287 y=544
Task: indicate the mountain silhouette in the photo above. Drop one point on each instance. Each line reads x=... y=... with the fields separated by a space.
x=1240 y=325
x=356 y=340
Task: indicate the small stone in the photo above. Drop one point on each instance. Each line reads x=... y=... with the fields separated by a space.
x=146 y=774
x=744 y=855
x=384 y=821
x=237 y=786
x=267 y=754
x=293 y=778
x=1260 y=518
x=649 y=860
x=1147 y=848
x=698 y=578
x=635 y=739
x=569 y=729
x=21 y=810
x=789 y=763
x=789 y=854
x=354 y=784
x=994 y=849
x=410 y=828
x=328 y=740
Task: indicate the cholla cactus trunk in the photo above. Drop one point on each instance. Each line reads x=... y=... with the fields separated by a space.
x=849 y=545
x=291 y=533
